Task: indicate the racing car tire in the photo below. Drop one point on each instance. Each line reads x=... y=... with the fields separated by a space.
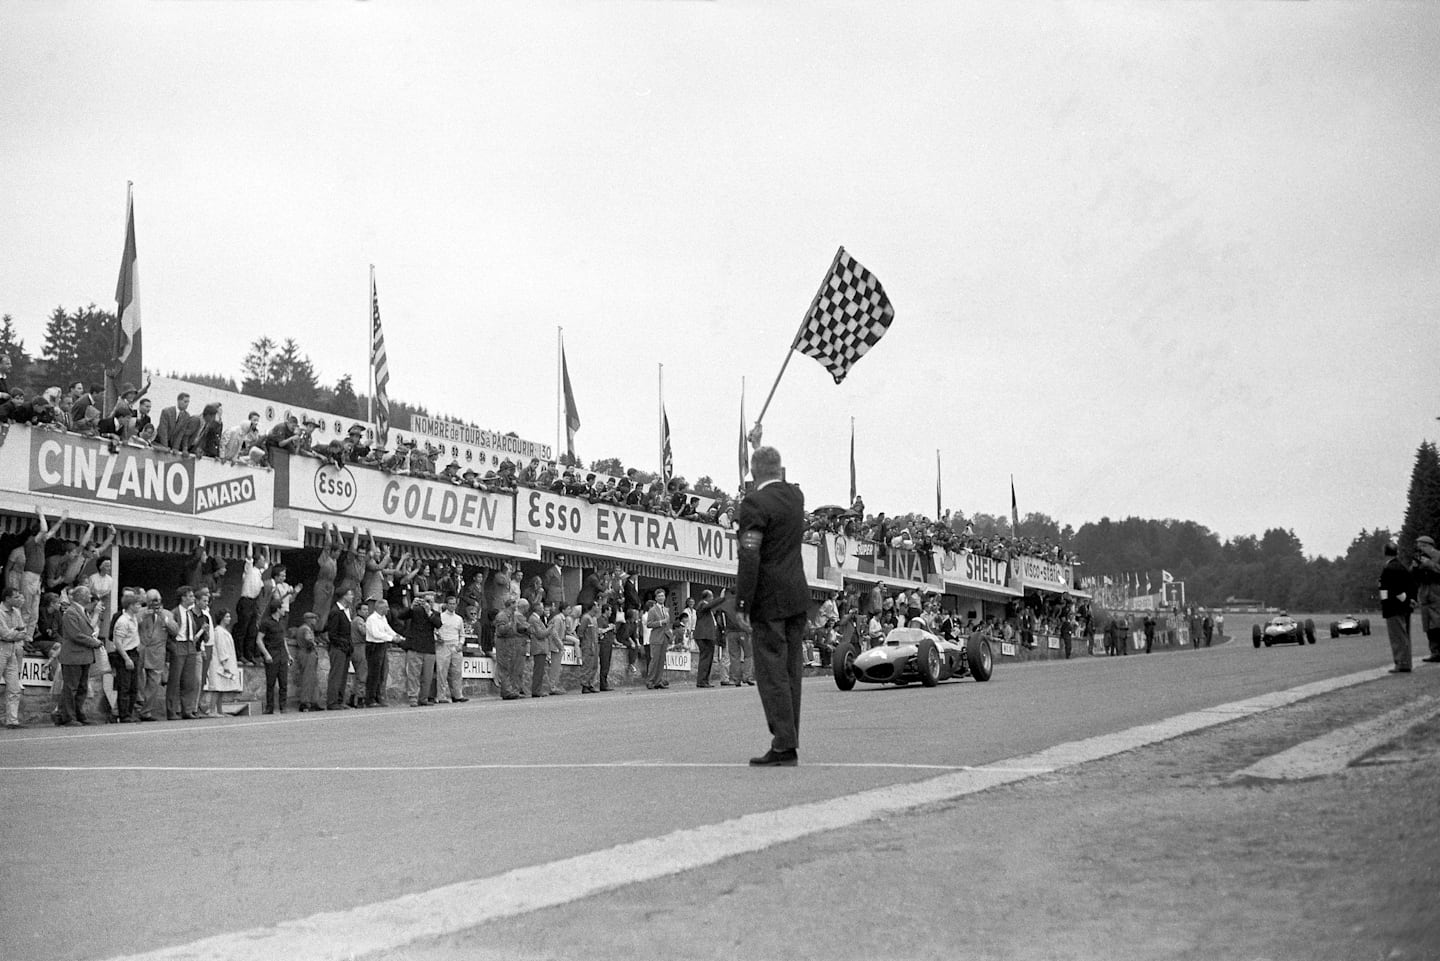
x=1309 y=635
x=927 y=659
x=982 y=663
x=842 y=661
x=1255 y=634
x=1334 y=630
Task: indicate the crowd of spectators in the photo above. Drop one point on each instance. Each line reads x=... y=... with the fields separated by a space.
x=919 y=533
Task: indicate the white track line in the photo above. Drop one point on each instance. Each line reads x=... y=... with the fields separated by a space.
x=417 y=768
x=1331 y=753
x=388 y=925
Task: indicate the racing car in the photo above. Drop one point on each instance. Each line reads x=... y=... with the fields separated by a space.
x=1283 y=629
x=912 y=654
x=1350 y=624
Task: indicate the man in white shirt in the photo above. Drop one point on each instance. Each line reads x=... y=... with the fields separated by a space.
x=448 y=657
x=378 y=637
x=247 y=614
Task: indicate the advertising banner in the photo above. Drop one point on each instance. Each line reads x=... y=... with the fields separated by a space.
x=861 y=559
x=363 y=494
x=967 y=569
x=1043 y=574
x=482 y=668
x=621 y=532
x=34 y=672
x=83 y=468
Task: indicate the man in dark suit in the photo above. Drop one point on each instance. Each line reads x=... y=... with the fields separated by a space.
x=772 y=597
x=339 y=631
x=706 y=633
x=77 y=654
x=174 y=425
x=1397 y=595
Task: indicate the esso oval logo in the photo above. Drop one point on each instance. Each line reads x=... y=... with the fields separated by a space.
x=335 y=488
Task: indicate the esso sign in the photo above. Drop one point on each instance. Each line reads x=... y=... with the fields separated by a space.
x=335 y=488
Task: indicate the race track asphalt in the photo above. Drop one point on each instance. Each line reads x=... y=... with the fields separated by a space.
x=122 y=840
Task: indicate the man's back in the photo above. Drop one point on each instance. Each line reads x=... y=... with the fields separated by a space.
x=773 y=586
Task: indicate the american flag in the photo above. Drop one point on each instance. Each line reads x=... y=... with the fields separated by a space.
x=379 y=367
x=849 y=315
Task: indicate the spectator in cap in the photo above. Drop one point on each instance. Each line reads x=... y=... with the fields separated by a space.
x=1427 y=593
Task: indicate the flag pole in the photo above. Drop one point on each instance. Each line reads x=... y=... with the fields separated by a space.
x=559 y=387
x=755 y=431
x=660 y=425
x=370 y=355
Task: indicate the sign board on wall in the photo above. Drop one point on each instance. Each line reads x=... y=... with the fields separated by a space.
x=83 y=468
x=623 y=532
x=858 y=558
x=364 y=494
x=1048 y=575
x=968 y=569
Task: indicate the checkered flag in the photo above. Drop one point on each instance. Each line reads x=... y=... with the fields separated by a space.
x=850 y=314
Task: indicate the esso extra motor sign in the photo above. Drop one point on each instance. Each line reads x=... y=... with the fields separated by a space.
x=335 y=488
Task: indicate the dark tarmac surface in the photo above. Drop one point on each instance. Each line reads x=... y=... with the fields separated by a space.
x=230 y=825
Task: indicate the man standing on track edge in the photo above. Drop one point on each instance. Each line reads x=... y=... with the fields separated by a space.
x=771 y=594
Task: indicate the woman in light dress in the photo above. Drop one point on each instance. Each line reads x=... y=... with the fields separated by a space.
x=224 y=673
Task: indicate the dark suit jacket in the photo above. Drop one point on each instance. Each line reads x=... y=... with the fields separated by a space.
x=77 y=637
x=173 y=422
x=771 y=579
x=337 y=629
x=706 y=627
x=1396 y=579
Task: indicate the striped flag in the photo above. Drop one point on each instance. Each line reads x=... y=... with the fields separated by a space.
x=849 y=315
x=1014 y=509
x=127 y=364
x=744 y=448
x=852 y=462
x=937 y=485
x=572 y=415
x=379 y=369
x=667 y=459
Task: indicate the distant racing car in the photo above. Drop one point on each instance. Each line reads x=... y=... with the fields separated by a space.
x=912 y=654
x=1283 y=629
x=1350 y=624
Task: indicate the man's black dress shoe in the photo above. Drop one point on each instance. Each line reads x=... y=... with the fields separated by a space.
x=774 y=758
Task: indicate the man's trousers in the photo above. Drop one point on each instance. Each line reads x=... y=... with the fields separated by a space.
x=779 y=669
x=1399 y=630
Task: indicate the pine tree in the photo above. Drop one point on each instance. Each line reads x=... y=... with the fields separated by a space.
x=61 y=349
x=21 y=361
x=1422 y=512
x=345 y=403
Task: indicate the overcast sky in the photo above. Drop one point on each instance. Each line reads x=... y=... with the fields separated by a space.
x=1169 y=260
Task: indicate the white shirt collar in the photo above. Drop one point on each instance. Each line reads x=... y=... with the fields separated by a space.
x=765 y=484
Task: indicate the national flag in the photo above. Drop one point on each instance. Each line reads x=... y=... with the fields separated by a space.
x=853 y=491
x=1166 y=577
x=744 y=447
x=572 y=415
x=937 y=485
x=849 y=315
x=128 y=364
x=667 y=460
x=1148 y=588
x=379 y=368
x=1014 y=509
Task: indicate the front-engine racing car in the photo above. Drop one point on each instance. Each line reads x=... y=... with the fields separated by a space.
x=1283 y=629
x=1350 y=624
x=912 y=654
